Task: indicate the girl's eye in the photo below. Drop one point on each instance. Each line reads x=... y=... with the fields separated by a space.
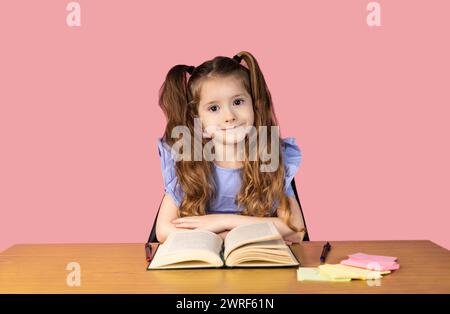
x=240 y=100
x=213 y=108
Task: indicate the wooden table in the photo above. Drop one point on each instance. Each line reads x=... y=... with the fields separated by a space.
x=121 y=268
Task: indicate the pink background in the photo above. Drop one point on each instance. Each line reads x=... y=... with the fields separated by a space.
x=79 y=117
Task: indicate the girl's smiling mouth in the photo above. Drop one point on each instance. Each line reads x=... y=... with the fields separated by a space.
x=231 y=127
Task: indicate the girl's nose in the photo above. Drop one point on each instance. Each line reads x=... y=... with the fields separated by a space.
x=230 y=116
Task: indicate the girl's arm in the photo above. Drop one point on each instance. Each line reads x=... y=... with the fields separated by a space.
x=220 y=223
x=287 y=233
x=167 y=213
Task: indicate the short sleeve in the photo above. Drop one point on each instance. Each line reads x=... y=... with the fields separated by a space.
x=291 y=161
x=291 y=158
x=171 y=185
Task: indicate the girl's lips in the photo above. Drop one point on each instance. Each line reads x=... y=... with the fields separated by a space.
x=231 y=127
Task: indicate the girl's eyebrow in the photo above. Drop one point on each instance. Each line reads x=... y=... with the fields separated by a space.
x=213 y=101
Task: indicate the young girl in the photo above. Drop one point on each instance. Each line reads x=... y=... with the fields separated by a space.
x=221 y=194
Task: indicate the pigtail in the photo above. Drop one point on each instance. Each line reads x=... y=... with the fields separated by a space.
x=273 y=182
x=260 y=91
x=173 y=99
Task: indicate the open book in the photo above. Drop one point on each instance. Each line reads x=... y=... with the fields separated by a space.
x=249 y=245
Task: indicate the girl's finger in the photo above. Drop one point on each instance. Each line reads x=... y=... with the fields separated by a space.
x=186 y=219
x=180 y=220
x=187 y=225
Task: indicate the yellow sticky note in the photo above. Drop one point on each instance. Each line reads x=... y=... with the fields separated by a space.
x=313 y=274
x=337 y=271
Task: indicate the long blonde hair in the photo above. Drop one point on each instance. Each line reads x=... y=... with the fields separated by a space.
x=179 y=98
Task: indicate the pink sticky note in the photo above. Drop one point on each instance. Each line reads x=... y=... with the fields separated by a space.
x=373 y=258
x=369 y=264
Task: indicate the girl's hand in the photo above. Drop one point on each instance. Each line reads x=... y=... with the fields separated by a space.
x=223 y=234
x=213 y=222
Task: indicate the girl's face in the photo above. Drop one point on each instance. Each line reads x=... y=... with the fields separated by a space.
x=225 y=109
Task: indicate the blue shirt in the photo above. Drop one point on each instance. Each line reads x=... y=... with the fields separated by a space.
x=227 y=181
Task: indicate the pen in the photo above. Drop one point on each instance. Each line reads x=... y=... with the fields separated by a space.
x=326 y=249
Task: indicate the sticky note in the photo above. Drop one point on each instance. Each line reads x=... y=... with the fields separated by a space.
x=370 y=264
x=313 y=274
x=373 y=258
x=343 y=271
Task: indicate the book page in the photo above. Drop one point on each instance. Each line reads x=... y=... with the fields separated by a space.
x=270 y=244
x=189 y=249
x=249 y=233
x=249 y=256
x=192 y=240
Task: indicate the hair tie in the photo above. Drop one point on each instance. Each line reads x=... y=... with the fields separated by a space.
x=190 y=69
x=237 y=58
